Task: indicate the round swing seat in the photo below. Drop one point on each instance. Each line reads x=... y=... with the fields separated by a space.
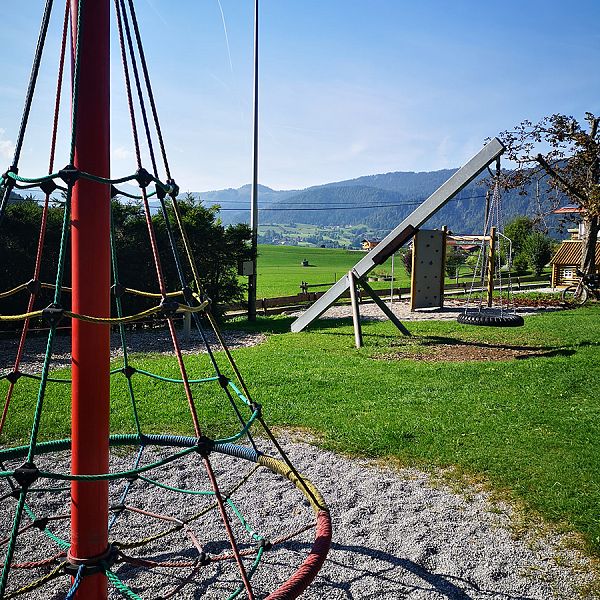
x=490 y=319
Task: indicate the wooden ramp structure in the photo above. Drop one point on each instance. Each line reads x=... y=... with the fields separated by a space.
x=404 y=231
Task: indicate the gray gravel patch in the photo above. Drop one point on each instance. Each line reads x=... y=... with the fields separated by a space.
x=156 y=341
x=397 y=533
x=449 y=312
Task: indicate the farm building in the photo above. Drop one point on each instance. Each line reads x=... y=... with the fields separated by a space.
x=568 y=256
x=567 y=259
x=369 y=244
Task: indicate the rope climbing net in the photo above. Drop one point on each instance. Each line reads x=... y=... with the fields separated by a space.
x=483 y=307
x=208 y=510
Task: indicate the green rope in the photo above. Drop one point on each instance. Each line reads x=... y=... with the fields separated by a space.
x=46 y=365
x=10 y=550
x=251 y=572
x=119 y=304
x=16 y=177
x=171 y=380
x=39 y=377
x=117 y=474
x=120 y=586
x=63 y=544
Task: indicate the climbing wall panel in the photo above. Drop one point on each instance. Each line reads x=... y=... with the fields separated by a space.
x=427 y=278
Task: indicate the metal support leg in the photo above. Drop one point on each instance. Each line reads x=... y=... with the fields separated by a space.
x=355 y=310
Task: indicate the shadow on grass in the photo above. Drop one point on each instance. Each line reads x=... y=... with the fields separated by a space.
x=532 y=351
x=282 y=324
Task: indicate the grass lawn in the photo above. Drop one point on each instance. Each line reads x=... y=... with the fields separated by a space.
x=280 y=269
x=530 y=426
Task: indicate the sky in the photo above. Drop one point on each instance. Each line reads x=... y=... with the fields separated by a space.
x=347 y=87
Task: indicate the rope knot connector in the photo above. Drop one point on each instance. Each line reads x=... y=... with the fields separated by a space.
x=26 y=474
x=69 y=175
x=53 y=314
x=204 y=559
x=94 y=564
x=13 y=377
x=169 y=307
x=34 y=286
x=204 y=446
x=223 y=380
x=41 y=523
x=143 y=178
x=264 y=544
x=174 y=191
x=48 y=186
x=118 y=289
x=128 y=371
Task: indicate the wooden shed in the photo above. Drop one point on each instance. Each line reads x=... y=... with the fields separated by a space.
x=566 y=260
x=369 y=244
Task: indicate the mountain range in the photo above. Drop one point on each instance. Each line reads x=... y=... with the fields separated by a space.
x=375 y=202
x=378 y=202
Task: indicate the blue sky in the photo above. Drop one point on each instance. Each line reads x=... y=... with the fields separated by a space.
x=348 y=87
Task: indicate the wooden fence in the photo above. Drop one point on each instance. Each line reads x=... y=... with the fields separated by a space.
x=300 y=301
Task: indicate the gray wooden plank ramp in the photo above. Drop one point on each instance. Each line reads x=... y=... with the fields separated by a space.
x=405 y=230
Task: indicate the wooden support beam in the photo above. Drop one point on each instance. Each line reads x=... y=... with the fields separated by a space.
x=355 y=310
x=383 y=306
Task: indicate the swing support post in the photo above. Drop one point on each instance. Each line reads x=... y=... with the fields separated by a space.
x=491 y=268
x=90 y=257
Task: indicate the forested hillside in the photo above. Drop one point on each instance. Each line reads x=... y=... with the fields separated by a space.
x=378 y=202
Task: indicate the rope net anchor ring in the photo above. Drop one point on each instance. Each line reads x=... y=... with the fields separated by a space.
x=117 y=552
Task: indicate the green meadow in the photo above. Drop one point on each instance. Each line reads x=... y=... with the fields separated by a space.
x=280 y=269
x=529 y=427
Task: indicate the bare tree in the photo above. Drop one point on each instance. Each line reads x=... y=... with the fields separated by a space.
x=569 y=154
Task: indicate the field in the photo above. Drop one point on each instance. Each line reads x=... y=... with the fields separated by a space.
x=528 y=427
x=280 y=269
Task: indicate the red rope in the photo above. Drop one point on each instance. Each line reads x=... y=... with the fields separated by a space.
x=234 y=548
x=308 y=570
x=40 y=247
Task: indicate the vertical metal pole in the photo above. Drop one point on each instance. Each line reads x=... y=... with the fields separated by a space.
x=254 y=200
x=443 y=269
x=491 y=266
x=355 y=310
x=90 y=271
x=392 y=284
x=413 y=279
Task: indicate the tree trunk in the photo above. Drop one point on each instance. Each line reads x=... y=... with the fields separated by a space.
x=591 y=226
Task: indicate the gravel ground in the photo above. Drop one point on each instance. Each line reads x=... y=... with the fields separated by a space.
x=157 y=341
x=451 y=309
x=398 y=534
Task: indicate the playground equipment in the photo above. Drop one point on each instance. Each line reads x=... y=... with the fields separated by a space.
x=403 y=232
x=223 y=532
x=428 y=269
x=488 y=309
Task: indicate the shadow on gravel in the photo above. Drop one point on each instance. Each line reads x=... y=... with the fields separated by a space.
x=353 y=569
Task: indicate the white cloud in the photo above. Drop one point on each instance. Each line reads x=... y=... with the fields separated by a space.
x=7 y=147
x=122 y=153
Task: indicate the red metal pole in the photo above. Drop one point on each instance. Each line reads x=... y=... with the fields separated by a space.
x=90 y=272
